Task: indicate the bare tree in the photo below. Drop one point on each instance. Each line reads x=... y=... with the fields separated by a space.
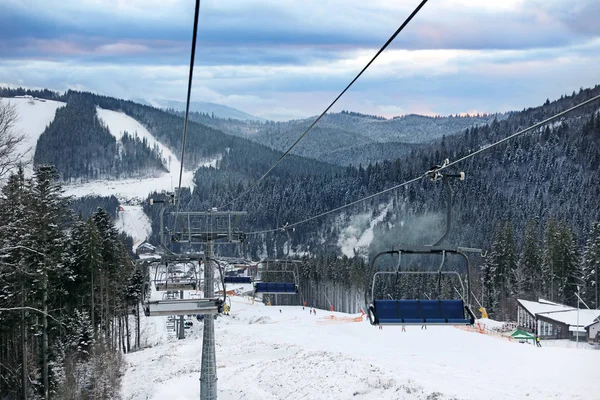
x=9 y=139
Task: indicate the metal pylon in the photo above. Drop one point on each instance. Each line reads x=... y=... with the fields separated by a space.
x=206 y=227
x=208 y=372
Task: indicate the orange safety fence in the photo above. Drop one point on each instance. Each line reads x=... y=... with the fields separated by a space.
x=333 y=319
x=483 y=329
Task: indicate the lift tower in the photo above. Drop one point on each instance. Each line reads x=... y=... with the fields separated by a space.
x=206 y=228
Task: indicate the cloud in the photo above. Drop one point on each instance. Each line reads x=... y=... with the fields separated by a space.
x=284 y=59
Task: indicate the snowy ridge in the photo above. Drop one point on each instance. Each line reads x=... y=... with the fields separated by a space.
x=263 y=353
x=34 y=115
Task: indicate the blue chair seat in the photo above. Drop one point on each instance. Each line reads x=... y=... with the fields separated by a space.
x=420 y=312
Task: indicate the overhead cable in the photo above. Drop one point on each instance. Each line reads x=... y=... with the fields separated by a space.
x=532 y=127
x=255 y=184
x=437 y=169
x=187 y=110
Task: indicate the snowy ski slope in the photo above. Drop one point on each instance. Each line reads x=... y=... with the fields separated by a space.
x=133 y=221
x=264 y=354
x=33 y=118
x=117 y=123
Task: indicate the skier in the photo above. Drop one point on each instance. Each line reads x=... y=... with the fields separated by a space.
x=310 y=311
x=424 y=326
x=280 y=311
x=380 y=327
x=537 y=341
x=403 y=328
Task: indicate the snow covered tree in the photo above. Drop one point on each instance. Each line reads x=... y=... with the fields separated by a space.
x=500 y=273
x=16 y=271
x=561 y=265
x=529 y=268
x=49 y=240
x=591 y=268
x=551 y=260
x=9 y=139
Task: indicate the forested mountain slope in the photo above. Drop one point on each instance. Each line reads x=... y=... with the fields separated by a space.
x=81 y=146
x=347 y=138
x=203 y=143
x=550 y=173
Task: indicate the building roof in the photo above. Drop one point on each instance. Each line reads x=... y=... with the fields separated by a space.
x=586 y=317
x=147 y=246
x=542 y=306
x=596 y=321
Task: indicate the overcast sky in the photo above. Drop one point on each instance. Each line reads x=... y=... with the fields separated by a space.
x=281 y=59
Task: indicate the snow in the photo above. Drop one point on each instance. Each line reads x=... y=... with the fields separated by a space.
x=490 y=323
x=586 y=317
x=535 y=307
x=358 y=235
x=263 y=353
x=133 y=221
x=117 y=123
x=34 y=116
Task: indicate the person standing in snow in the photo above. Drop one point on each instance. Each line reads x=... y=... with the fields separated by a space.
x=537 y=341
x=403 y=328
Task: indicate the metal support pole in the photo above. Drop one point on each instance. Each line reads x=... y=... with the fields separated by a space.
x=181 y=321
x=208 y=372
x=162 y=225
x=577 y=328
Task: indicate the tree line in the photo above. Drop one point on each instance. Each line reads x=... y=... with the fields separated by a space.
x=67 y=286
x=551 y=266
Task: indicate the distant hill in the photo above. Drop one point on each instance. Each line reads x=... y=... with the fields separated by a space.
x=348 y=134
x=203 y=107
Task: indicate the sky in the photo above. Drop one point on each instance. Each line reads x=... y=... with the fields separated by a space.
x=281 y=59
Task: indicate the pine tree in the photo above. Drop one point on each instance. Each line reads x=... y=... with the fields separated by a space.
x=591 y=268
x=49 y=240
x=530 y=264
x=551 y=260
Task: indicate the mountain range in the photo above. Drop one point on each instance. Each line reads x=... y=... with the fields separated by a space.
x=203 y=107
x=549 y=173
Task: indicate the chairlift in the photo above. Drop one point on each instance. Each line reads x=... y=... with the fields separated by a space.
x=192 y=306
x=174 y=278
x=437 y=311
x=266 y=284
x=158 y=308
x=232 y=276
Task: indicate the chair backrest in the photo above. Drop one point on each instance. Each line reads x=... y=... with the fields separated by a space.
x=275 y=287
x=237 y=279
x=420 y=311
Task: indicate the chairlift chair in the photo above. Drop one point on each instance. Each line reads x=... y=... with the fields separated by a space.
x=232 y=277
x=167 y=307
x=440 y=311
x=265 y=285
x=158 y=308
x=168 y=280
